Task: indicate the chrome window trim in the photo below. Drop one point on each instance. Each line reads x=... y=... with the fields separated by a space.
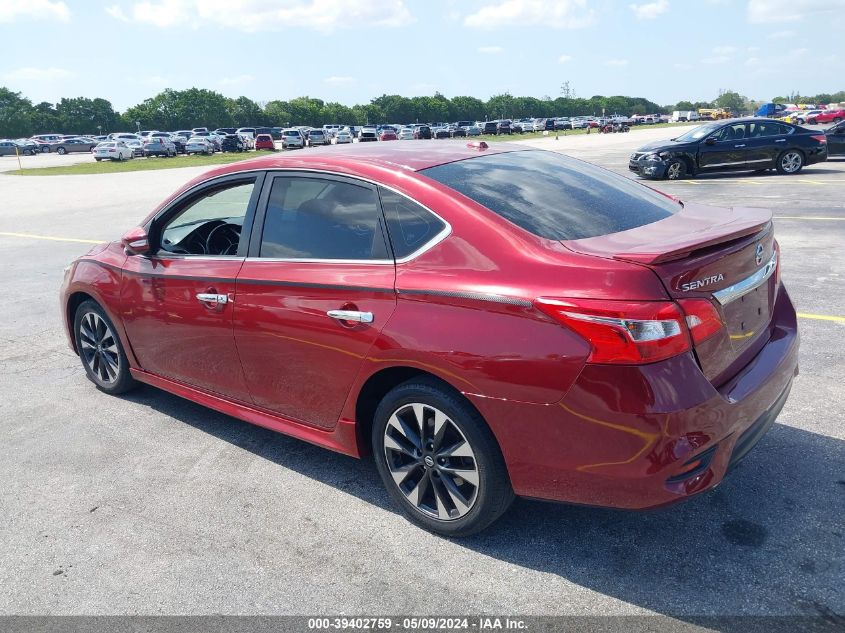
x=741 y=288
x=434 y=241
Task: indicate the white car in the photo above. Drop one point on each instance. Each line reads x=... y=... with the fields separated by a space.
x=343 y=136
x=292 y=139
x=406 y=134
x=199 y=145
x=113 y=150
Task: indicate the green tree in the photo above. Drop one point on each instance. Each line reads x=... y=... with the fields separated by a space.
x=730 y=100
x=15 y=114
x=243 y=112
x=466 y=109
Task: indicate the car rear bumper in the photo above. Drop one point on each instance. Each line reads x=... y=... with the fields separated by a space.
x=639 y=437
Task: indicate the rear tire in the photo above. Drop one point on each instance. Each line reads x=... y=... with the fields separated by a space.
x=790 y=162
x=100 y=349
x=61 y=151
x=439 y=460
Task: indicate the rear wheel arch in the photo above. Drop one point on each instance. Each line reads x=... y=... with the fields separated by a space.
x=378 y=385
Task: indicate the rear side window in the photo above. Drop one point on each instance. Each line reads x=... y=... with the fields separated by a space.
x=313 y=218
x=554 y=196
x=409 y=225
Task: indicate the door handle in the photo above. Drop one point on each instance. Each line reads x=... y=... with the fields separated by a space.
x=351 y=315
x=743 y=145
x=780 y=140
x=211 y=298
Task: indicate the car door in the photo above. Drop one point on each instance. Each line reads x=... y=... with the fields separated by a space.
x=766 y=140
x=836 y=140
x=178 y=303
x=724 y=149
x=314 y=293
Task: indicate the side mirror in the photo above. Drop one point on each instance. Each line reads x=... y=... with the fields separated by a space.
x=710 y=140
x=136 y=241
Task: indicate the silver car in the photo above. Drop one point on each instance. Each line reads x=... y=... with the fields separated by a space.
x=292 y=139
x=68 y=145
x=199 y=145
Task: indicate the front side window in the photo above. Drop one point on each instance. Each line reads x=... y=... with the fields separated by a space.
x=210 y=224
x=315 y=218
x=728 y=133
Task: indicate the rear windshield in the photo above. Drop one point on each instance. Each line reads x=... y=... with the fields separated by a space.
x=554 y=196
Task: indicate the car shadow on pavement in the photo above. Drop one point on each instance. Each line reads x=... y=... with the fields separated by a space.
x=769 y=540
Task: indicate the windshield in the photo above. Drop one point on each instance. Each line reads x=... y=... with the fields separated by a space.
x=698 y=133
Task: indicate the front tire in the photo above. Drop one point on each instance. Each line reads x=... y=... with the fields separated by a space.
x=676 y=169
x=61 y=151
x=100 y=350
x=790 y=162
x=438 y=459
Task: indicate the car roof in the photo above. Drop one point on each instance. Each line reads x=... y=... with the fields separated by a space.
x=361 y=156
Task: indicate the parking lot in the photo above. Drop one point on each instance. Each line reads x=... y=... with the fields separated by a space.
x=150 y=504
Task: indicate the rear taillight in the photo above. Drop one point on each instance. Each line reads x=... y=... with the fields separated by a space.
x=702 y=318
x=622 y=332
x=821 y=138
x=777 y=264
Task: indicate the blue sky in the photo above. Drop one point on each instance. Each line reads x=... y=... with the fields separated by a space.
x=353 y=50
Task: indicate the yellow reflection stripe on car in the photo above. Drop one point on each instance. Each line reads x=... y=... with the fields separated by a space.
x=801 y=217
x=50 y=237
x=822 y=317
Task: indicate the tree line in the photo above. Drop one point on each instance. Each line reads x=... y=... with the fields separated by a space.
x=180 y=109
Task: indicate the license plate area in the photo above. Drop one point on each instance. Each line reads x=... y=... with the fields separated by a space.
x=746 y=317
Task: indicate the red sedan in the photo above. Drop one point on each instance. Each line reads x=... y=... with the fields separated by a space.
x=827 y=116
x=265 y=141
x=484 y=321
x=387 y=135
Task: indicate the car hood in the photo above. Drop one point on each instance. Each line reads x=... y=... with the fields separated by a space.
x=664 y=145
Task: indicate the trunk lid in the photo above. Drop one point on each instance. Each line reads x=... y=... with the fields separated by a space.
x=727 y=256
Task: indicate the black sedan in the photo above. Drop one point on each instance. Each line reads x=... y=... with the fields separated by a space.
x=233 y=143
x=752 y=144
x=836 y=139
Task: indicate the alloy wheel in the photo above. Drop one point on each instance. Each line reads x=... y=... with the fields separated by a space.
x=791 y=162
x=673 y=172
x=98 y=345
x=431 y=461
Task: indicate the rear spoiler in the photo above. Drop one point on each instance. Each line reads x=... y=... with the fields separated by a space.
x=693 y=228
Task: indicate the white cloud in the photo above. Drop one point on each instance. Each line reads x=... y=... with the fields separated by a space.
x=616 y=63
x=117 y=13
x=36 y=9
x=490 y=50
x=337 y=80
x=239 y=80
x=781 y=35
x=650 y=10
x=764 y=11
x=559 y=14
x=252 y=16
x=681 y=66
x=752 y=62
x=564 y=59
x=30 y=73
